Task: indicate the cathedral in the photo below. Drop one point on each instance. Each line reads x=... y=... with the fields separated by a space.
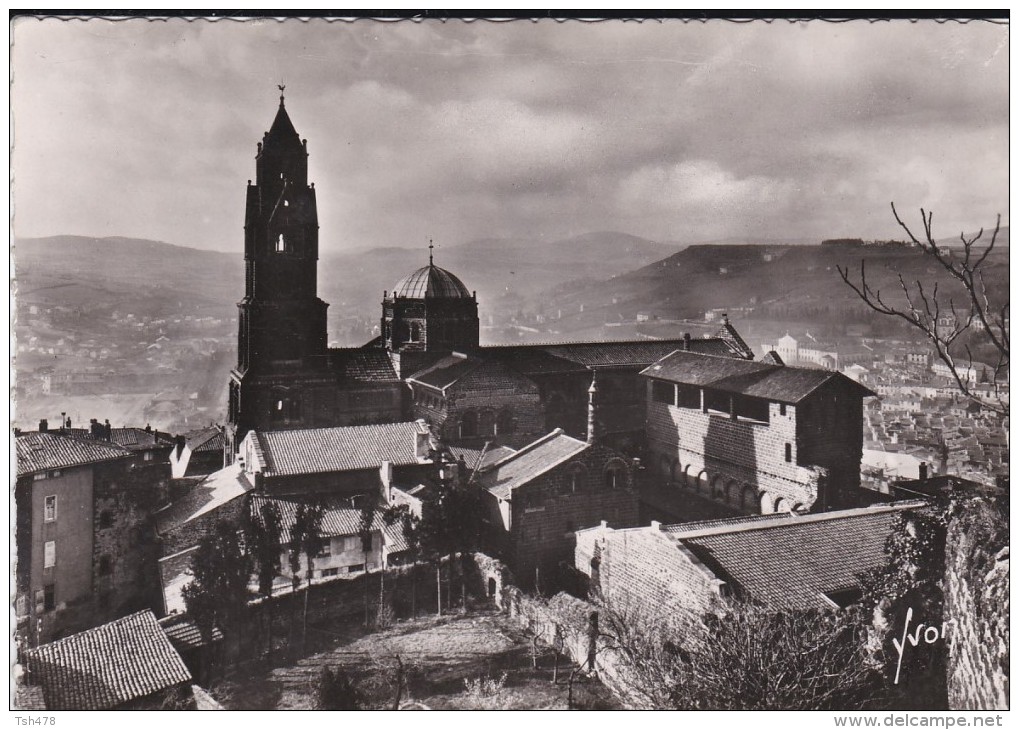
x=427 y=362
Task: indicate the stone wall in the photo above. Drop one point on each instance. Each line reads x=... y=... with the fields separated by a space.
x=641 y=570
x=740 y=463
x=547 y=511
x=977 y=602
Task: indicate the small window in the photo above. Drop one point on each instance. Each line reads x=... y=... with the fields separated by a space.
x=50 y=508
x=39 y=477
x=105 y=565
x=687 y=396
x=355 y=568
x=49 y=554
x=781 y=409
x=329 y=572
x=281 y=244
x=49 y=600
x=148 y=456
x=105 y=520
x=789 y=452
x=327 y=549
x=662 y=392
x=614 y=476
x=55 y=473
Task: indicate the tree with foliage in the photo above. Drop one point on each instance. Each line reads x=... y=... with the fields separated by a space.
x=450 y=524
x=970 y=315
x=263 y=538
x=409 y=523
x=366 y=530
x=305 y=541
x=218 y=594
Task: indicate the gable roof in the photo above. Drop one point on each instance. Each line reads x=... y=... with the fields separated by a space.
x=131 y=438
x=366 y=364
x=446 y=371
x=576 y=356
x=219 y=488
x=42 y=451
x=780 y=383
x=343 y=448
x=210 y=438
x=530 y=462
x=107 y=666
x=789 y=560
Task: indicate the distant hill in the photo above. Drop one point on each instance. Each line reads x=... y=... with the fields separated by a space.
x=788 y=282
x=145 y=277
x=151 y=277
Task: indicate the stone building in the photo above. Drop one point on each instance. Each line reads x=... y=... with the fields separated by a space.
x=755 y=437
x=681 y=572
x=538 y=497
x=85 y=552
x=427 y=362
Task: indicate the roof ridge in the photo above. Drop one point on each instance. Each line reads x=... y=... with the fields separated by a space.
x=771 y=522
x=95 y=629
x=551 y=435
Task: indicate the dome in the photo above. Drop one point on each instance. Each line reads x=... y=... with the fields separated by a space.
x=431 y=282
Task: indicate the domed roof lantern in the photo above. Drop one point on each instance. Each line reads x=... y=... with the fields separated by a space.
x=431 y=282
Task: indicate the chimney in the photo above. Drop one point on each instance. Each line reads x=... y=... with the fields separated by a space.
x=923 y=471
x=593 y=432
x=686 y=340
x=44 y=426
x=17 y=432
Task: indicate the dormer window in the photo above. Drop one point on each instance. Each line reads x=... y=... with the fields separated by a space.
x=281 y=244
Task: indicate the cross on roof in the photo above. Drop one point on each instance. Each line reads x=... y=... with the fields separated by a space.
x=431 y=246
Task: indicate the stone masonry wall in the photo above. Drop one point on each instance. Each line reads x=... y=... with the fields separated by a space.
x=738 y=462
x=977 y=603
x=642 y=573
x=548 y=511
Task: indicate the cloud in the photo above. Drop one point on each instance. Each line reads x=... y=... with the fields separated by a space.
x=467 y=130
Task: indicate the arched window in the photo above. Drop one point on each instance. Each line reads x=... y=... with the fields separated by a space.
x=615 y=475
x=281 y=244
x=576 y=478
x=468 y=424
x=486 y=425
x=506 y=422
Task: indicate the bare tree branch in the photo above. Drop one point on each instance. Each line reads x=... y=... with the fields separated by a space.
x=940 y=322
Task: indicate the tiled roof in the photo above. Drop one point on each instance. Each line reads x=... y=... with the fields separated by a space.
x=530 y=462
x=211 y=493
x=730 y=336
x=210 y=438
x=446 y=371
x=345 y=448
x=29 y=698
x=431 y=282
x=745 y=377
x=363 y=364
x=133 y=439
x=107 y=666
x=564 y=357
x=470 y=456
x=791 y=561
x=183 y=633
x=42 y=451
x=336 y=521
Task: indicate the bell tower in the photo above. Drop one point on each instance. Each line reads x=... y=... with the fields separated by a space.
x=281 y=322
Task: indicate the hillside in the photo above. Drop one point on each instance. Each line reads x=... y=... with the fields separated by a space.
x=779 y=282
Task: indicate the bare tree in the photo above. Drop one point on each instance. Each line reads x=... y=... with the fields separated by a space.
x=944 y=322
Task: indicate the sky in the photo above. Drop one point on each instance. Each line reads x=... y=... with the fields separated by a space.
x=458 y=131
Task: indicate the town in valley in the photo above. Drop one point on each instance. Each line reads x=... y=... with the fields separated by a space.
x=474 y=470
